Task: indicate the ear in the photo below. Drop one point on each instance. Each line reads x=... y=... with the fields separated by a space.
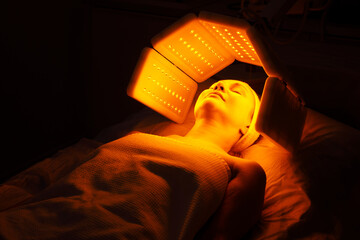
x=244 y=130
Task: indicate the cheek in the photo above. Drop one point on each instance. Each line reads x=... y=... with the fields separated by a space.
x=244 y=109
x=240 y=108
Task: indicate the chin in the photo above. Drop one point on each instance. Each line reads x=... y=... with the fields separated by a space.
x=209 y=108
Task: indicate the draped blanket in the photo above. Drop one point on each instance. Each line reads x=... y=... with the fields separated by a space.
x=141 y=186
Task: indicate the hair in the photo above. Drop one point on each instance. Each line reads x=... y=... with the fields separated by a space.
x=251 y=135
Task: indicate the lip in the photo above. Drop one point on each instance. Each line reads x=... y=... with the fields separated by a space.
x=218 y=94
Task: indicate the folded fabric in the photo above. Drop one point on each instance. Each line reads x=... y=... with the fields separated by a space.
x=141 y=186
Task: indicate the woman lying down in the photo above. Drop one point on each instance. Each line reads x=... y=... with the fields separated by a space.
x=145 y=186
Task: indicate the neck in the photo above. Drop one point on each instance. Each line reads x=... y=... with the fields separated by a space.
x=215 y=134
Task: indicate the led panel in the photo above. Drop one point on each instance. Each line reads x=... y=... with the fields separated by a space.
x=192 y=48
x=161 y=86
x=232 y=33
x=269 y=60
x=281 y=114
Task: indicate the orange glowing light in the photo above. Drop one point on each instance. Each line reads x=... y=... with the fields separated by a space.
x=192 y=48
x=161 y=86
x=232 y=34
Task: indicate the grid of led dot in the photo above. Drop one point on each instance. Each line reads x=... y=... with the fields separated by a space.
x=162 y=86
x=208 y=47
x=236 y=40
x=193 y=49
x=196 y=53
x=173 y=98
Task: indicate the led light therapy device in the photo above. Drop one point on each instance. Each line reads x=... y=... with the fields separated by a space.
x=197 y=47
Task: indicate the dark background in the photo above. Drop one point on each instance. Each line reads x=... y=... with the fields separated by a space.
x=65 y=66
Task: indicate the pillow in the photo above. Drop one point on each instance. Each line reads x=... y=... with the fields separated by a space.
x=285 y=200
x=329 y=161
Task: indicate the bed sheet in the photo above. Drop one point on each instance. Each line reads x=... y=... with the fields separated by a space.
x=130 y=188
x=35 y=179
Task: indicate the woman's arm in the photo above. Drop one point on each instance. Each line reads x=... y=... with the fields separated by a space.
x=242 y=204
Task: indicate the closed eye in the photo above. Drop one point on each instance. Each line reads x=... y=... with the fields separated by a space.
x=238 y=91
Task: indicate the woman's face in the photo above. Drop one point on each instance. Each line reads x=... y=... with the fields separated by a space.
x=229 y=101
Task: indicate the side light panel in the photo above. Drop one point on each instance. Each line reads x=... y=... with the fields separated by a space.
x=281 y=114
x=161 y=86
x=189 y=46
x=232 y=33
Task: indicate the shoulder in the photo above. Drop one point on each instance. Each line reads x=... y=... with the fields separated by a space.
x=245 y=168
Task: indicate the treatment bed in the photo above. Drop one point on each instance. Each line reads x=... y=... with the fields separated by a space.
x=310 y=194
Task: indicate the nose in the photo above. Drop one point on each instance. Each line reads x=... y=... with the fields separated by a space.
x=219 y=87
